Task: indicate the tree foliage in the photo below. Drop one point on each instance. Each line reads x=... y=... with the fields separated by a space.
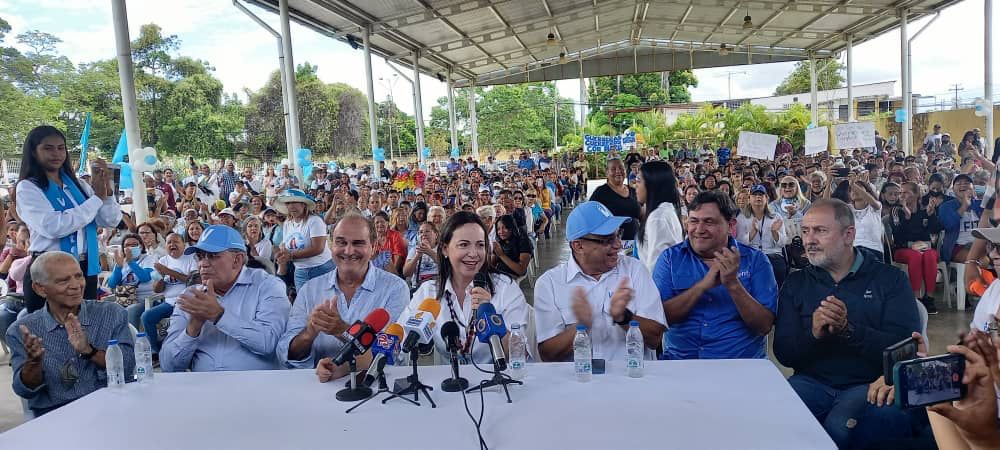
x=828 y=76
x=608 y=94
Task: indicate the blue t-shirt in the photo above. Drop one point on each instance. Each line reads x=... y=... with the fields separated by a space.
x=713 y=328
x=723 y=156
x=526 y=164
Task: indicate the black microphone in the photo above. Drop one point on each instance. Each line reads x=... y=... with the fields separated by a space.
x=360 y=335
x=450 y=333
x=479 y=280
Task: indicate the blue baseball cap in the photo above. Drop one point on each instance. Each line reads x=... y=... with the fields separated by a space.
x=217 y=238
x=592 y=218
x=758 y=189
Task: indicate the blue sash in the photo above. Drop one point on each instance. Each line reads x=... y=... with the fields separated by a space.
x=60 y=202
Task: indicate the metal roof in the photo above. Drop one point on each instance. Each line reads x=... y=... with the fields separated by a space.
x=506 y=41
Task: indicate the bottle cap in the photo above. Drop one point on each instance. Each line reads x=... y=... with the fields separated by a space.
x=113 y=342
x=140 y=334
x=581 y=327
x=633 y=323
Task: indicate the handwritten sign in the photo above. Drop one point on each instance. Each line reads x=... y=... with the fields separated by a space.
x=855 y=135
x=756 y=145
x=817 y=140
x=593 y=143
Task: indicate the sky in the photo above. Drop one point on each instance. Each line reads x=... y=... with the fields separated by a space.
x=949 y=52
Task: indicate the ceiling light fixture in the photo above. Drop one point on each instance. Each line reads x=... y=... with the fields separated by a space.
x=562 y=58
x=723 y=50
x=551 y=39
x=747 y=21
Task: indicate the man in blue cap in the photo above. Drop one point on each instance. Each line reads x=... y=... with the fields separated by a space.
x=605 y=291
x=231 y=322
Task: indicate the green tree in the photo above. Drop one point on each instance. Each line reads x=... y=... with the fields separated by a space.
x=635 y=91
x=47 y=67
x=828 y=76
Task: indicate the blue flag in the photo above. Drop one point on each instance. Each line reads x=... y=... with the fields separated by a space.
x=121 y=151
x=84 y=140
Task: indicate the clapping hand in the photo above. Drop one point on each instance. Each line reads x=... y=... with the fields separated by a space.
x=728 y=261
x=581 y=307
x=77 y=338
x=620 y=298
x=201 y=305
x=32 y=345
x=776 y=225
x=326 y=318
x=829 y=318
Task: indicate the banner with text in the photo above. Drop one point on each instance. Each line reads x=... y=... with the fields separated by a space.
x=756 y=145
x=854 y=135
x=593 y=143
x=817 y=140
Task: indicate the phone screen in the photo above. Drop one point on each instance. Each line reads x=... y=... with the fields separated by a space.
x=926 y=381
x=901 y=351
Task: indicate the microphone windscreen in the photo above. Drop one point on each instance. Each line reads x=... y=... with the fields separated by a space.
x=395 y=330
x=430 y=305
x=377 y=319
x=449 y=330
x=480 y=281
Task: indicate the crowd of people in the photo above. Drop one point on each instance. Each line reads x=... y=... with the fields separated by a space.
x=708 y=251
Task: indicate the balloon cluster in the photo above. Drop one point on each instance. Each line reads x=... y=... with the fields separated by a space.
x=304 y=160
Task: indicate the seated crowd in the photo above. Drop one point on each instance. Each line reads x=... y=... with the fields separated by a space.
x=710 y=252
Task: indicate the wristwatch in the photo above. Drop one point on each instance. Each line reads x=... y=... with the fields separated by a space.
x=87 y=356
x=626 y=318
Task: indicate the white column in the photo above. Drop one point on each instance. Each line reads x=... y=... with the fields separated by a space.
x=813 y=98
x=370 y=88
x=473 y=122
x=418 y=112
x=555 y=125
x=583 y=96
x=289 y=87
x=129 y=108
x=906 y=137
x=850 y=78
x=451 y=113
x=988 y=75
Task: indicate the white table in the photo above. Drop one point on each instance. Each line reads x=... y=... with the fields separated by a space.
x=741 y=404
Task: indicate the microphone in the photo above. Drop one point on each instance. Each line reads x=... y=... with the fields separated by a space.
x=360 y=335
x=478 y=280
x=420 y=327
x=383 y=352
x=489 y=329
x=450 y=333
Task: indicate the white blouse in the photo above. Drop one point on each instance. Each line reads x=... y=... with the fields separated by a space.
x=662 y=230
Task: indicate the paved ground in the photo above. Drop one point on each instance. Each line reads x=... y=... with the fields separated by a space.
x=943 y=328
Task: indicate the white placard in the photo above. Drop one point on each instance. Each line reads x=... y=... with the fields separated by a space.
x=855 y=135
x=756 y=145
x=817 y=140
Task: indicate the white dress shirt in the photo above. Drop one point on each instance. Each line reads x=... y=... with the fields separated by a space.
x=763 y=240
x=508 y=299
x=554 y=303
x=662 y=230
x=49 y=226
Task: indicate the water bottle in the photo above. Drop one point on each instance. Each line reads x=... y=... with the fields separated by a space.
x=634 y=350
x=114 y=365
x=143 y=359
x=518 y=352
x=582 y=355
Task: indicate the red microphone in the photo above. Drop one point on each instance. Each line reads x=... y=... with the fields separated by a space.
x=360 y=336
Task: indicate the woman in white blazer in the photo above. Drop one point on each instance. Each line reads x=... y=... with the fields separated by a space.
x=656 y=191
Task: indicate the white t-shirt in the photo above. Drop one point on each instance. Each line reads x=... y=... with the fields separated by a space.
x=174 y=287
x=968 y=222
x=426 y=267
x=868 y=228
x=989 y=304
x=298 y=235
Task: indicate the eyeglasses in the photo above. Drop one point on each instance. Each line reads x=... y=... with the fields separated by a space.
x=787 y=185
x=212 y=257
x=606 y=241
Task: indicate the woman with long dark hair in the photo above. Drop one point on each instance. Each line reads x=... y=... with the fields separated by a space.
x=511 y=251
x=760 y=227
x=62 y=212
x=462 y=255
x=660 y=226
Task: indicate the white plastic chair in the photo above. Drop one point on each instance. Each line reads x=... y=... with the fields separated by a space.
x=959 y=284
x=922 y=312
x=532 y=338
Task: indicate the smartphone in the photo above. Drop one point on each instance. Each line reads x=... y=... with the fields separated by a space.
x=597 y=365
x=926 y=381
x=904 y=350
x=841 y=172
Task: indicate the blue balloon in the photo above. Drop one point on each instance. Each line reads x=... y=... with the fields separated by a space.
x=427 y=152
x=150 y=160
x=378 y=154
x=304 y=154
x=307 y=169
x=455 y=153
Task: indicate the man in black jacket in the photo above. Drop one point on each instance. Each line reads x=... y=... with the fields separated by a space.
x=836 y=317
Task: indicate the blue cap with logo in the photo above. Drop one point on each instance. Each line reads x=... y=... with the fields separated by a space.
x=217 y=238
x=758 y=189
x=592 y=218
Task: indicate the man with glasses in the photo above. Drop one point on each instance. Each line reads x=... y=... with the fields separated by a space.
x=719 y=295
x=231 y=322
x=596 y=287
x=57 y=352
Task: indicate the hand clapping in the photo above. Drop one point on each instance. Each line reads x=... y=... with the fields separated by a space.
x=32 y=345
x=829 y=318
x=201 y=305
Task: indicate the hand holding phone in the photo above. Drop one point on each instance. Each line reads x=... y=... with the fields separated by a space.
x=927 y=381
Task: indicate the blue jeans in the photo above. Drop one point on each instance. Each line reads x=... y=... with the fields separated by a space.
x=135 y=313
x=303 y=275
x=152 y=317
x=838 y=410
x=889 y=427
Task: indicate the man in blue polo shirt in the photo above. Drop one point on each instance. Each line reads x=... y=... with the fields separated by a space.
x=835 y=318
x=719 y=296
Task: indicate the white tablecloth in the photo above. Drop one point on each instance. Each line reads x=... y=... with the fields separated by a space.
x=741 y=404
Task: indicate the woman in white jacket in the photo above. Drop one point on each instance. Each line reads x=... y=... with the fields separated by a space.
x=656 y=191
x=759 y=227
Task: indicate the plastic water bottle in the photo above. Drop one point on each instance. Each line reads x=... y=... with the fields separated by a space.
x=143 y=359
x=114 y=365
x=634 y=350
x=582 y=355
x=518 y=352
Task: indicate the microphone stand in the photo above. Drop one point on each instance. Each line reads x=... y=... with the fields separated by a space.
x=499 y=378
x=455 y=383
x=414 y=387
x=355 y=391
x=383 y=388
